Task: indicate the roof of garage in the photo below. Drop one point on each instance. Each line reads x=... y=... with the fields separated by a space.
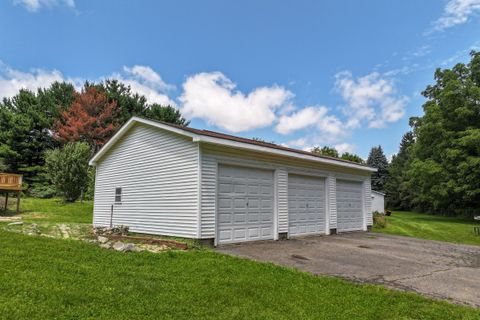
x=208 y=136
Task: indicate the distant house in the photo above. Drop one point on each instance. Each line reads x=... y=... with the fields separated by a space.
x=165 y=179
x=378 y=201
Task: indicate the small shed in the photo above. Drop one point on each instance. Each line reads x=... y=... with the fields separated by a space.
x=378 y=201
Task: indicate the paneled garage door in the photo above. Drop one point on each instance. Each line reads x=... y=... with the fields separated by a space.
x=306 y=205
x=245 y=204
x=349 y=206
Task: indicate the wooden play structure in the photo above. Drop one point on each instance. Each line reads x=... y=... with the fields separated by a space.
x=11 y=183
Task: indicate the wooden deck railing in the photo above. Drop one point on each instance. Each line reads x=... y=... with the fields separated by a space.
x=10 y=182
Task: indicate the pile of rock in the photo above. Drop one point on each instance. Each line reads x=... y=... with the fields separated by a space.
x=105 y=243
x=116 y=230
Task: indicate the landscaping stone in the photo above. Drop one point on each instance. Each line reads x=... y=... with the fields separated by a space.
x=18 y=223
x=107 y=245
x=123 y=247
x=102 y=239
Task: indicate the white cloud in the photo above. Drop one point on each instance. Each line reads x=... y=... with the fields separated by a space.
x=213 y=98
x=145 y=81
x=310 y=117
x=345 y=147
x=372 y=99
x=12 y=80
x=456 y=12
x=142 y=80
x=35 y=5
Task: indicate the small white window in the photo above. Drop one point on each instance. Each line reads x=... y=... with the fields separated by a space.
x=118 y=194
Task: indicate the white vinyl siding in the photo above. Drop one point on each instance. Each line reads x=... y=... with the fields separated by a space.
x=282 y=200
x=332 y=202
x=213 y=155
x=367 y=185
x=158 y=172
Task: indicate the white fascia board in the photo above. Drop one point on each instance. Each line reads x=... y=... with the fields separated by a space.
x=242 y=145
x=127 y=126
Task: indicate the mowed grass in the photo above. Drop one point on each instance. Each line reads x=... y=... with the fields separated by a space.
x=45 y=278
x=431 y=227
x=53 y=210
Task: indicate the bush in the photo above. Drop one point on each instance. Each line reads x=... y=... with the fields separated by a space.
x=42 y=191
x=67 y=168
x=379 y=220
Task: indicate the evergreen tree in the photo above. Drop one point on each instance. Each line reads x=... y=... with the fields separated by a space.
x=352 y=157
x=398 y=192
x=377 y=159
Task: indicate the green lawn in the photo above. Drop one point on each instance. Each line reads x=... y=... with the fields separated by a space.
x=431 y=227
x=44 y=278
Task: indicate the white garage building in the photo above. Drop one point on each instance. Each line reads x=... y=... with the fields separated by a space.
x=164 y=179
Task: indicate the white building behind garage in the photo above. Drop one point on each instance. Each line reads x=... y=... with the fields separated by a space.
x=165 y=179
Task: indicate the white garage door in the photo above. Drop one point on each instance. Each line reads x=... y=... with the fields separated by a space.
x=349 y=206
x=306 y=205
x=245 y=204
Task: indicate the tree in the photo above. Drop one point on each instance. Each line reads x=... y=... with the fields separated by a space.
x=352 y=157
x=164 y=113
x=377 y=159
x=444 y=174
x=25 y=128
x=397 y=189
x=67 y=169
x=91 y=118
x=132 y=104
x=326 y=151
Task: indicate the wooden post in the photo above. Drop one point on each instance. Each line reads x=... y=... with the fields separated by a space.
x=6 y=200
x=18 y=201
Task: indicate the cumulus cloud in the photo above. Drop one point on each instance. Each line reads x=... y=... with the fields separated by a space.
x=142 y=80
x=310 y=117
x=145 y=81
x=12 y=80
x=372 y=99
x=456 y=12
x=345 y=147
x=213 y=98
x=35 y=5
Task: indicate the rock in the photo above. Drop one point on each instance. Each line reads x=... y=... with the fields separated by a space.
x=107 y=245
x=102 y=239
x=18 y=223
x=124 y=247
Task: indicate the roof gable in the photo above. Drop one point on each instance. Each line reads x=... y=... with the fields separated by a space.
x=228 y=140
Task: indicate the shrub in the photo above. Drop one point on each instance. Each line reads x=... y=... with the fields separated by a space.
x=67 y=168
x=379 y=220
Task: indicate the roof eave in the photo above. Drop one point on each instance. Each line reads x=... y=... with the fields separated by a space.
x=247 y=146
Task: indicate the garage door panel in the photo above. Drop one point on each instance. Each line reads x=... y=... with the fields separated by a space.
x=306 y=205
x=349 y=205
x=248 y=204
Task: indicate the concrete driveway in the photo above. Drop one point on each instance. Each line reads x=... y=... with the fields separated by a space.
x=433 y=268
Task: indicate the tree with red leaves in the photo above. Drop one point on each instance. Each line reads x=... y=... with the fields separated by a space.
x=90 y=119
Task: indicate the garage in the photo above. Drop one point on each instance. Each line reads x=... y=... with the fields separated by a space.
x=306 y=205
x=245 y=204
x=349 y=206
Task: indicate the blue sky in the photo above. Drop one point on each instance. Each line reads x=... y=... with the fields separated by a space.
x=301 y=73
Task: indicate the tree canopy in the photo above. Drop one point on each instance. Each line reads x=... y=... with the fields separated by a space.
x=439 y=164
x=31 y=123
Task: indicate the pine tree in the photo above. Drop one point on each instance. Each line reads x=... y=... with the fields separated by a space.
x=398 y=193
x=377 y=159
